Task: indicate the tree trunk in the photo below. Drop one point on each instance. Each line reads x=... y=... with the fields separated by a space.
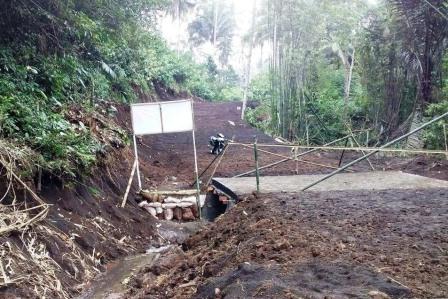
x=348 y=83
x=249 y=59
x=393 y=95
x=178 y=28
x=348 y=73
x=415 y=141
x=215 y=21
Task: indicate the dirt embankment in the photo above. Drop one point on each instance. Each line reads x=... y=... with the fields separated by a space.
x=389 y=244
x=85 y=229
x=164 y=156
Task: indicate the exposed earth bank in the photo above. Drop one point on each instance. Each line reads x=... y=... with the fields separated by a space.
x=86 y=231
x=357 y=244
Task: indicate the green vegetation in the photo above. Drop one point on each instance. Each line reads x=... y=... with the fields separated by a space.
x=341 y=66
x=335 y=66
x=63 y=62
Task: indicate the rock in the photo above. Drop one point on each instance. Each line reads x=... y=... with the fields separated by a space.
x=315 y=252
x=151 y=197
x=169 y=214
x=190 y=199
x=194 y=209
x=169 y=205
x=378 y=295
x=154 y=205
x=151 y=211
x=143 y=203
x=185 y=204
x=177 y=213
x=159 y=210
x=187 y=214
x=170 y=199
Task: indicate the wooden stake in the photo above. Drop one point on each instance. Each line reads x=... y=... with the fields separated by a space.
x=217 y=164
x=128 y=188
x=358 y=145
x=446 y=143
x=257 y=172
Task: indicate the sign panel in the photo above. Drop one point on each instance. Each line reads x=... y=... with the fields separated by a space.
x=177 y=116
x=162 y=117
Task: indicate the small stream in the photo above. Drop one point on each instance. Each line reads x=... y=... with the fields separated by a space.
x=112 y=284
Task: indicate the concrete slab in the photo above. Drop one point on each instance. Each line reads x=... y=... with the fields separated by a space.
x=379 y=180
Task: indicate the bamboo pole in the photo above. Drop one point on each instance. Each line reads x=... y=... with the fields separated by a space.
x=209 y=165
x=363 y=152
x=446 y=143
x=289 y=158
x=342 y=155
x=284 y=160
x=257 y=172
x=335 y=148
x=196 y=171
x=128 y=188
x=374 y=152
x=170 y=192
x=217 y=165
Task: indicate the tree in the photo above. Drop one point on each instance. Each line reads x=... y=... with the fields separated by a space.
x=178 y=9
x=251 y=45
x=343 y=23
x=214 y=24
x=423 y=26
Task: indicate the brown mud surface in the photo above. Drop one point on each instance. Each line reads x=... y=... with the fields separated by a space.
x=347 y=244
x=164 y=156
x=86 y=230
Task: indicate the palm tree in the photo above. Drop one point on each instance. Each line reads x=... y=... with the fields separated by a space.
x=178 y=9
x=215 y=24
x=423 y=27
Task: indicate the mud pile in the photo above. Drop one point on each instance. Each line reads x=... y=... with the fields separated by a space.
x=316 y=245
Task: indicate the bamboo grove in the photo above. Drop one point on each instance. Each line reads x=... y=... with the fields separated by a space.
x=337 y=66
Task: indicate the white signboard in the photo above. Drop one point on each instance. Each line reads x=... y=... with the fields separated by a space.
x=162 y=117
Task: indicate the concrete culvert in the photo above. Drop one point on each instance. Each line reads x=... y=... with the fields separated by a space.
x=213 y=207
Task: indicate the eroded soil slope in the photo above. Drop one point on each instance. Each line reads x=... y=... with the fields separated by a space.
x=163 y=156
x=313 y=245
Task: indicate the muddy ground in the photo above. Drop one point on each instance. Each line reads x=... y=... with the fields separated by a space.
x=313 y=245
x=86 y=231
x=164 y=156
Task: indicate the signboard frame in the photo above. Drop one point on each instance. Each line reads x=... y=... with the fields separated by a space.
x=138 y=112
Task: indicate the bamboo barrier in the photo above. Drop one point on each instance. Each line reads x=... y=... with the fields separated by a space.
x=338 y=148
x=376 y=151
x=292 y=158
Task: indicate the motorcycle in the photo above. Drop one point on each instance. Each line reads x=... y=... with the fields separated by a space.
x=217 y=143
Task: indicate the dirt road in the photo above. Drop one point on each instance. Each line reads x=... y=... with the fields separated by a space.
x=164 y=156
